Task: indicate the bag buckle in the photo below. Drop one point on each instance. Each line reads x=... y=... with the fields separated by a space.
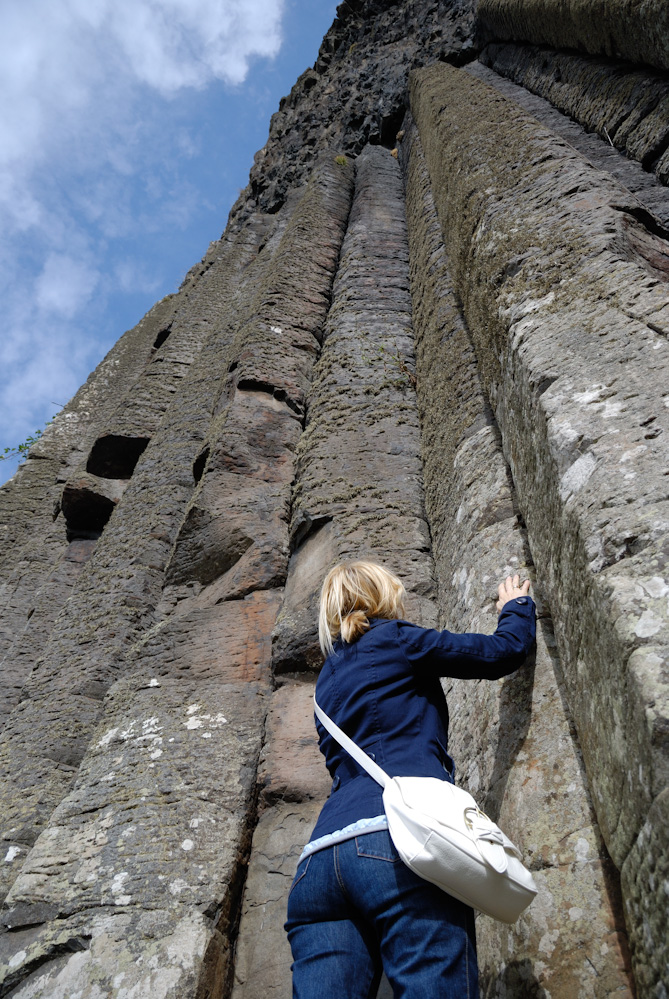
x=469 y=822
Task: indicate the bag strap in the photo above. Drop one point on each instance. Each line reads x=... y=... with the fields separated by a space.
x=372 y=768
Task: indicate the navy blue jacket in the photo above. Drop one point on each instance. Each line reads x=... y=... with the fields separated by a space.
x=383 y=690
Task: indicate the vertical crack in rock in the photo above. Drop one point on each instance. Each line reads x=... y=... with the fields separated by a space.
x=574 y=372
x=512 y=741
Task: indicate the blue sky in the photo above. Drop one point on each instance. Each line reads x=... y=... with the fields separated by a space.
x=127 y=129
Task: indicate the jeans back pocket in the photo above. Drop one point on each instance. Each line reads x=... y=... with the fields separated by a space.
x=377 y=845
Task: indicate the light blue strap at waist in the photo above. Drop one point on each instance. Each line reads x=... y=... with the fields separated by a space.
x=359 y=828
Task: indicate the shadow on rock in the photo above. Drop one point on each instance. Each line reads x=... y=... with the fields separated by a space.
x=515 y=715
x=516 y=981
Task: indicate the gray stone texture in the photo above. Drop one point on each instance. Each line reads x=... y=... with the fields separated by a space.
x=45 y=605
x=587 y=455
x=637 y=31
x=31 y=523
x=291 y=766
x=358 y=466
x=236 y=523
x=115 y=596
x=262 y=959
x=645 y=185
x=627 y=107
x=512 y=740
x=139 y=868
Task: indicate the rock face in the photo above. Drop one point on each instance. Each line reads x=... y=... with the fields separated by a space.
x=434 y=332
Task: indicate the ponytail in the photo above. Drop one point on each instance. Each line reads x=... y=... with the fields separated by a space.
x=354 y=625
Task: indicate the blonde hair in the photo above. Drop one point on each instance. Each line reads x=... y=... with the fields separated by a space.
x=352 y=593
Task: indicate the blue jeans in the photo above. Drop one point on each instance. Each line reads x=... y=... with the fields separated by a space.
x=356 y=910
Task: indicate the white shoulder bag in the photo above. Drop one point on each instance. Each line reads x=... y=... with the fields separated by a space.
x=442 y=835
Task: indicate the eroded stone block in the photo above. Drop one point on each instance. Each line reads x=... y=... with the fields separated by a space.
x=292 y=768
x=151 y=840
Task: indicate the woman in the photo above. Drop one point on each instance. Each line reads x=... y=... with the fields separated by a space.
x=354 y=908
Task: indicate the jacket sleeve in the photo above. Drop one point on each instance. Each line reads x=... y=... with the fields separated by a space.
x=473 y=656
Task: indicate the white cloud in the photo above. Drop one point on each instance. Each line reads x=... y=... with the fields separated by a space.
x=135 y=275
x=59 y=61
x=65 y=284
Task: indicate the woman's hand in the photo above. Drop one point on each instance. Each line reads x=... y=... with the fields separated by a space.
x=510 y=589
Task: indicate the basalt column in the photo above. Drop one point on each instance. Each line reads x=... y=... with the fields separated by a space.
x=115 y=595
x=34 y=539
x=562 y=277
x=512 y=740
x=357 y=492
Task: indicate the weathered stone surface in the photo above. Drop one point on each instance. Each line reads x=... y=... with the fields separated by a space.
x=573 y=937
x=87 y=504
x=228 y=642
x=32 y=531
x=512 y=741
x=46 y=604
x=110 y=954
x=118 y=590
x=358 y=466
x=154 y=831
x=295 y=639
x=262 y=960
x=27 y=501
x=570 y=955
x=638 y=32
x=356 y=92
x=648 y=865
x=240 y=509
x=646 y=186
x=628 y=108
x=243 y=500
x=32 y=565
x=292 y=768
x=575 y=430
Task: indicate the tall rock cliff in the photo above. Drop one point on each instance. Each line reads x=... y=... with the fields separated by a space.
x=433 y=332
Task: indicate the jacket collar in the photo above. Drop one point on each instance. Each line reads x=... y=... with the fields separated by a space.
x=373 y=622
